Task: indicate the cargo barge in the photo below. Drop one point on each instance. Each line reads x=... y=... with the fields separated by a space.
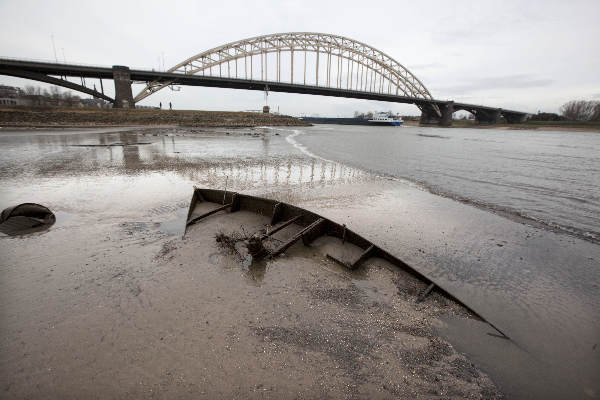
x=378 y=119
x=338 y=121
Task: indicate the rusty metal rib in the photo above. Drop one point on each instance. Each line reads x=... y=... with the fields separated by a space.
x=280 y=227
x=206 y=214
x=425 y=293
x=315 y=225
x=363 y=256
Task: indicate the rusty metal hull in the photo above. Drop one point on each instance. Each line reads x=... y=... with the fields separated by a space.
x=280 y=212
x=313 y=225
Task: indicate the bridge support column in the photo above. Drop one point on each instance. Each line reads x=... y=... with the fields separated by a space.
x=487 y=116
x=429 y=115
x=123 y=94
x=447 y=111
x=514 y=118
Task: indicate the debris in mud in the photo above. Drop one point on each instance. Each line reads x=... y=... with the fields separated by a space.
x=26 y=218
x=256 y=247
x=236 y=243
x=248 y=247
x=229 y=241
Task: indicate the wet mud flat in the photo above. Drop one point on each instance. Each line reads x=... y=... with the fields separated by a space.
x=111 y=302
x=129 y=311
x=337 y=333
x=538 y=287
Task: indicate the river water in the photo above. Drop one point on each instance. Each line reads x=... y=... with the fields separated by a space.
x=551 y=177
x=119 y=193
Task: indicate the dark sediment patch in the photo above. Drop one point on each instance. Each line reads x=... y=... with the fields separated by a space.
x=343 y=348
x=433 y=136
x=349 y=296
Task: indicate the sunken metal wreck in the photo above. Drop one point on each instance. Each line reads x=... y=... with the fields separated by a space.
x=25 y=218
x=302 y=225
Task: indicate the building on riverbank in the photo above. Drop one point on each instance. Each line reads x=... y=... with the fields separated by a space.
x=10 y=96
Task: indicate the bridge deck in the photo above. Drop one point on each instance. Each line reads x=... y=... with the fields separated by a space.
x=9 y=66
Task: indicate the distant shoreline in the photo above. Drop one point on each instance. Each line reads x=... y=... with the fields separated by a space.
x=89 y=117
x=35 y=117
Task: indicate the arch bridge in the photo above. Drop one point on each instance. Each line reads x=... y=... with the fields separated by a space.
x=295 y=62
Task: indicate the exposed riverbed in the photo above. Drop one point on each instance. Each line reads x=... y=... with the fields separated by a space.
x=121 y=196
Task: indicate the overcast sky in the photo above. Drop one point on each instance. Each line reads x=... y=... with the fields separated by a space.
x=524 y=55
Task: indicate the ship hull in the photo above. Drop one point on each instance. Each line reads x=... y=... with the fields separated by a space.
x=337 y=121
x=386 y=123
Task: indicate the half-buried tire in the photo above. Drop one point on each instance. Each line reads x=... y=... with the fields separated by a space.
x=25 y=218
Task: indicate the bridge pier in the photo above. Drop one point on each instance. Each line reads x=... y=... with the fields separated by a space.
x=514 y=118
x=487 y=117
x=429 y=115
x=123 y=94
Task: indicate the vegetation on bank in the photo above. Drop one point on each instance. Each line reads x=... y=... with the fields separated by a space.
x=581 y=110
x=32 y=117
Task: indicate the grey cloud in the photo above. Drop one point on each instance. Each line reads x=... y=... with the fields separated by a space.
x=457 y=49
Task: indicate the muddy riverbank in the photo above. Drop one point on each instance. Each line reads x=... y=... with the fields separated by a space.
x=112 y=302
x=70 y=117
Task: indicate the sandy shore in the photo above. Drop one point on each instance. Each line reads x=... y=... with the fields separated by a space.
x=70 y=117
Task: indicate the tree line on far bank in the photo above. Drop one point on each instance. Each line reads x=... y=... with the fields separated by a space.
x=574 y=110
x=581 y=110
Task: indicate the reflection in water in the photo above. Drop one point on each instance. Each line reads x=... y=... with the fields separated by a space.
x=206 y=160
x=131 y=154
x=103 y=182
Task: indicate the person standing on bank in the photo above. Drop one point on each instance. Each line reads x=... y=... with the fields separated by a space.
x=170 y=106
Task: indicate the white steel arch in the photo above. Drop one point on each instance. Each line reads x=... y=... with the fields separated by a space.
x=358 y=66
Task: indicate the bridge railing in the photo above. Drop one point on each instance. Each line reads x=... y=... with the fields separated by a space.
x=79 y=64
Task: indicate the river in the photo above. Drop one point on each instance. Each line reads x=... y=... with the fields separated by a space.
x=550 y=177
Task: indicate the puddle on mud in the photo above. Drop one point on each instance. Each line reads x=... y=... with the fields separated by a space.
x=174 y=226
x=512 y=367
